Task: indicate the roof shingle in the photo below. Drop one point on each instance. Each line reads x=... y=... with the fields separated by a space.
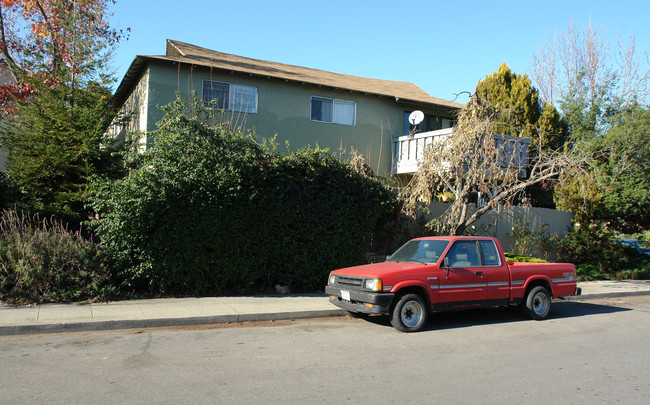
x=186 y=53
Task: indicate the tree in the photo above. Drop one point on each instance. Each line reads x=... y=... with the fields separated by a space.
x=55 y=150
x=474 y=160
x=521 y=112
x=63 y=40
x=57 y=50
x=620 y=195
x=603 y=97
x=590 y=85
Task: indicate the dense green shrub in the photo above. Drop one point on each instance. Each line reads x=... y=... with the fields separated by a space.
x=637 y=273
x=512 y=257
x=594 y=245
x=589 y=272
x=7 y=192
x=208 y=210
x=41 y=260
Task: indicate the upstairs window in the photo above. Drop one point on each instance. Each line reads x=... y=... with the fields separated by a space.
x=333 y=111
x=430 y=123
x=235 y=97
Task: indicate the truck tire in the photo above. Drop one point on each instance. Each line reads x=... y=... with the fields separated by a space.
x=537 y=304
x=409 y=314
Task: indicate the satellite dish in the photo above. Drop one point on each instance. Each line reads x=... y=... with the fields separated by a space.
x=416 y=117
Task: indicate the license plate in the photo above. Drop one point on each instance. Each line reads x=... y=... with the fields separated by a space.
x=345 y=295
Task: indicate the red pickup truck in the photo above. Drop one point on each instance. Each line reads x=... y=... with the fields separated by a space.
x=448 y=273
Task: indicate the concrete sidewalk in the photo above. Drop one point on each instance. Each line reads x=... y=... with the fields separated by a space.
x=50 y=318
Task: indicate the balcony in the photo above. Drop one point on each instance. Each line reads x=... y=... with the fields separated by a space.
x=408 y=150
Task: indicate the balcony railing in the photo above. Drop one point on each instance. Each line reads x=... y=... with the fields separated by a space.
x=408 y=150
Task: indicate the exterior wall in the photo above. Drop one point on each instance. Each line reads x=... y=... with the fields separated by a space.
x=131 y=121
x=3 y=160
x=284 y=109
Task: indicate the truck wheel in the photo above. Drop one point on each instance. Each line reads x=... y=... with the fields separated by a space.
x=538 y=303
x=409 y=314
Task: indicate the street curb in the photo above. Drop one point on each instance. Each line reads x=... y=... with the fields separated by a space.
x=163 y=322
x=605 y=295
x=13 y=330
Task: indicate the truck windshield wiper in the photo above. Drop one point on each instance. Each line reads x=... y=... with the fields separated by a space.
x=406 y=261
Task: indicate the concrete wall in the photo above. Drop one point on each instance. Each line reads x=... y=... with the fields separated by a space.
x=284 y=109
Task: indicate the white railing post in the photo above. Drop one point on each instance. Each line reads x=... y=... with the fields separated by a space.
x=408 y=150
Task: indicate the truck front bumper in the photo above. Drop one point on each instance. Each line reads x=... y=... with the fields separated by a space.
x=365 y=302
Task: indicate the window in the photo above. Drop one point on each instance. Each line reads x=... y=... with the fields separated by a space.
x=464 y=254
x=489 y=253
x=430 y=123
x=334 y=111
x=235 y=97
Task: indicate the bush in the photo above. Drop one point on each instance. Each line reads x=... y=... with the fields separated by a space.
x=511 y=257
x=589 y=272
x=7 y=192
x=40 y=260
x=594 y=245
x=638 y=267
x=526 y=242
x=209 y=211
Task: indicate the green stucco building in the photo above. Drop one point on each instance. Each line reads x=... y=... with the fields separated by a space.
x=301 y=105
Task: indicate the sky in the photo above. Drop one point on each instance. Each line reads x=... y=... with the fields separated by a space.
x=444 y=47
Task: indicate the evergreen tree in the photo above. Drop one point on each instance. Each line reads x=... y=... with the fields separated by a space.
x=522 y=113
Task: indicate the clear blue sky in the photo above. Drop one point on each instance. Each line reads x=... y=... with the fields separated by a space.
x=444 y=47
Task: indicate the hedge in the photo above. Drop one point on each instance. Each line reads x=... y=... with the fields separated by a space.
x=207 y=210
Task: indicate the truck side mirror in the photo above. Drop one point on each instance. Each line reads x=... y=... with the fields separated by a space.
x=445 y=264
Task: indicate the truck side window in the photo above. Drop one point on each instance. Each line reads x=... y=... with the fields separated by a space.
x=489 y=253
x=464 y=254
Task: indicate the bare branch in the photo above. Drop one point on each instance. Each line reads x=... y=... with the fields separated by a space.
x=478 y=160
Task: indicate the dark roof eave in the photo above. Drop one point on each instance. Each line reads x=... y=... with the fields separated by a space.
x=429 y=104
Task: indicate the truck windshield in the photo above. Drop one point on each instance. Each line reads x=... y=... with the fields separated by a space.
x=421 y=251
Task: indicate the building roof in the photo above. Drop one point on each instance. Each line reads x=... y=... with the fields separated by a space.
x=180 y=52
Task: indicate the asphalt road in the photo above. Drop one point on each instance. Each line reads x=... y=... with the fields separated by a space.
x=587 y=352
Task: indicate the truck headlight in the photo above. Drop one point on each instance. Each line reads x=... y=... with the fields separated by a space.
x=373 y=284
x=331 y=280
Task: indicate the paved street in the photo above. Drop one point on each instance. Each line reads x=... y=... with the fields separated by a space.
x=587 y=352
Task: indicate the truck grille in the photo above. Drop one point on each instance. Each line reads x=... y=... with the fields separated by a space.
x=345 y=281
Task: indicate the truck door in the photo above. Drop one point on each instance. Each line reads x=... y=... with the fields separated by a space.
x=498 y=275
x=464 y=282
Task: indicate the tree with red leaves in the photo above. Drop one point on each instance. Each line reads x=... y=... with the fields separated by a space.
x=55 y=42
x=58 y=106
